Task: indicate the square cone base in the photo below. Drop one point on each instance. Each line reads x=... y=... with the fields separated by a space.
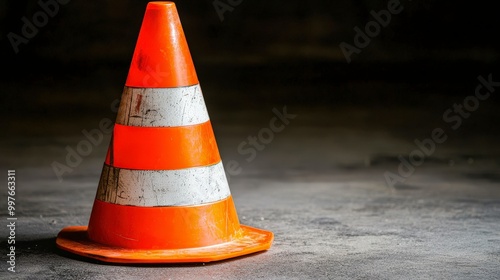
x=75 y=240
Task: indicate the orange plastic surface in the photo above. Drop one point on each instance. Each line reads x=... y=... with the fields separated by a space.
x=161 y=57
x=163 y=148
x=75 y=240
x=163 y=227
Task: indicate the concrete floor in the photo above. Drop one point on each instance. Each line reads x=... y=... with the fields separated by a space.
x=319 y=185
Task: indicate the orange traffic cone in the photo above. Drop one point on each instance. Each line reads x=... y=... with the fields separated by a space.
x=163 y=195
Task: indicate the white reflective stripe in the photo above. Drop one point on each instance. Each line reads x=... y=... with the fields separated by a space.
x=160 y=107
x=190 y=186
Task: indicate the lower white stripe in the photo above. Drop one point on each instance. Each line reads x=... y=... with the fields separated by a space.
x=190 y=186
x=160 y=107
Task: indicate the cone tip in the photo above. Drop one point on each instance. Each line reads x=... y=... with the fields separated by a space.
x=161 y=57
x=158 y=5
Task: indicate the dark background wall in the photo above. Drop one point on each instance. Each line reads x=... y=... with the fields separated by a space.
x=265 y=52
x=98 y=31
